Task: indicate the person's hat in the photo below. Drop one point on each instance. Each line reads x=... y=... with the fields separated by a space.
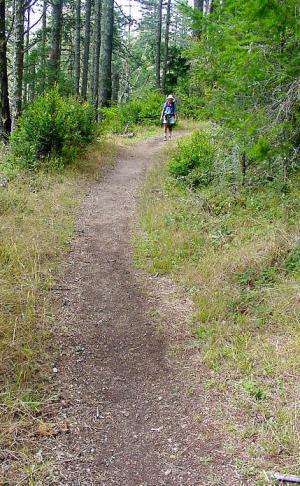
x=170 y=97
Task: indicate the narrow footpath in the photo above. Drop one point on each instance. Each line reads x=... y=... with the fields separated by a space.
x=132 y=407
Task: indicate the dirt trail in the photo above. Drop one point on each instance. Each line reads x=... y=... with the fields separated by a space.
x=133 y=408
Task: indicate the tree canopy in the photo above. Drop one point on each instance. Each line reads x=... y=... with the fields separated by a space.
x=234 y=62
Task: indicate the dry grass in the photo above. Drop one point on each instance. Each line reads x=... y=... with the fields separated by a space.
x=235 y=262
x=37 y=221
x=138 y=133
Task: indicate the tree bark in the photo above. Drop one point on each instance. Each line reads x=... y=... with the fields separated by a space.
x=86 y=49
x=77 y=47
x=25 y=93
x=167 y=31
x=115 y=87
x=5 y=121
x=198 y=5
x=44 y=39
x=18 y=61
x=96 y=54
x=55 y=53
x=158 y=43
x=107 y=23
x=208 y=7
x=32 y=86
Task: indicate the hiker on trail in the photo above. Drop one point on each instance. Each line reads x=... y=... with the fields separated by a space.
x=168 y=116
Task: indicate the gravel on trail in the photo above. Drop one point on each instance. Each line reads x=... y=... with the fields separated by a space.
x=132 y=404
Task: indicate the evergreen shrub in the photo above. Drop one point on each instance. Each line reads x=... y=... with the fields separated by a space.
x=52 y=131
x=191 y=106
x=145 y=110
x=194 y=161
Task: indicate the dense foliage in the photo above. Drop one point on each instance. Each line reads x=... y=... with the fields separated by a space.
x=143 y=110
x=235 y=250
x=246 y=76
x=221 y=216
x=193 y=163
x=52 y=131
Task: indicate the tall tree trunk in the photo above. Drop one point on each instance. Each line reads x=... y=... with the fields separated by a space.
x=158 y=43
x=115 y=87
x=208 y=7
x=77 y=46
x=18 y=62
x=96 y=54
x=107 y=24
x=86 y=50
x=5 y=121
x=55 y=53
x=32 y=86
x=198 y=5
x=44 y=39
x=25 y=93
x=167 y=31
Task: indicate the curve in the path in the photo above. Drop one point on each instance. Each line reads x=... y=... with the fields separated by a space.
x=132 y=421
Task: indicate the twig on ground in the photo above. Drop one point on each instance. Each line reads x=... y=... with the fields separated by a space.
x=287 y=479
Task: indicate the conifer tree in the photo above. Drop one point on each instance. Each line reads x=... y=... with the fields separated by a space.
x=5 y=121
x=56 y=34
x=96 y=53
x=166 y=53
x=86 y=48
x=105 y=81
x=158 y=44
x=77 y=46
x=18 y=61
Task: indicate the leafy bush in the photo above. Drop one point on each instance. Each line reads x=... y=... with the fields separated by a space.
x=191 y=106
x=193 y=163
x=254 y=96
x=52 y=131
x=145 y=110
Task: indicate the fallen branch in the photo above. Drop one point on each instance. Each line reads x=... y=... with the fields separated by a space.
x=287 y=479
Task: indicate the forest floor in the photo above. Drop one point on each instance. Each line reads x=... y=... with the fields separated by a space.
x=133 y=407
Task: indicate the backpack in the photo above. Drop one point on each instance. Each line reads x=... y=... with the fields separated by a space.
x=173 y=108
x=170 y=118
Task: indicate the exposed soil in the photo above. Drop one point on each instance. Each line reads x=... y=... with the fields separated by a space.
x=131 y=393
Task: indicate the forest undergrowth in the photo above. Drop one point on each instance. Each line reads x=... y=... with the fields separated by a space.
x=234 y=247
x=221 y=216
x=37 y=218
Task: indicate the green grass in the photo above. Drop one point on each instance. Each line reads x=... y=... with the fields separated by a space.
x=37 y=221
x=135 y=134
x=138 y=133
x=236 y=252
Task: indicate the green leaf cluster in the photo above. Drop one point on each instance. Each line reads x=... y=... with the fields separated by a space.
x=144 y=110
x=52 y=131
x=246 y=77
x=193 y=162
